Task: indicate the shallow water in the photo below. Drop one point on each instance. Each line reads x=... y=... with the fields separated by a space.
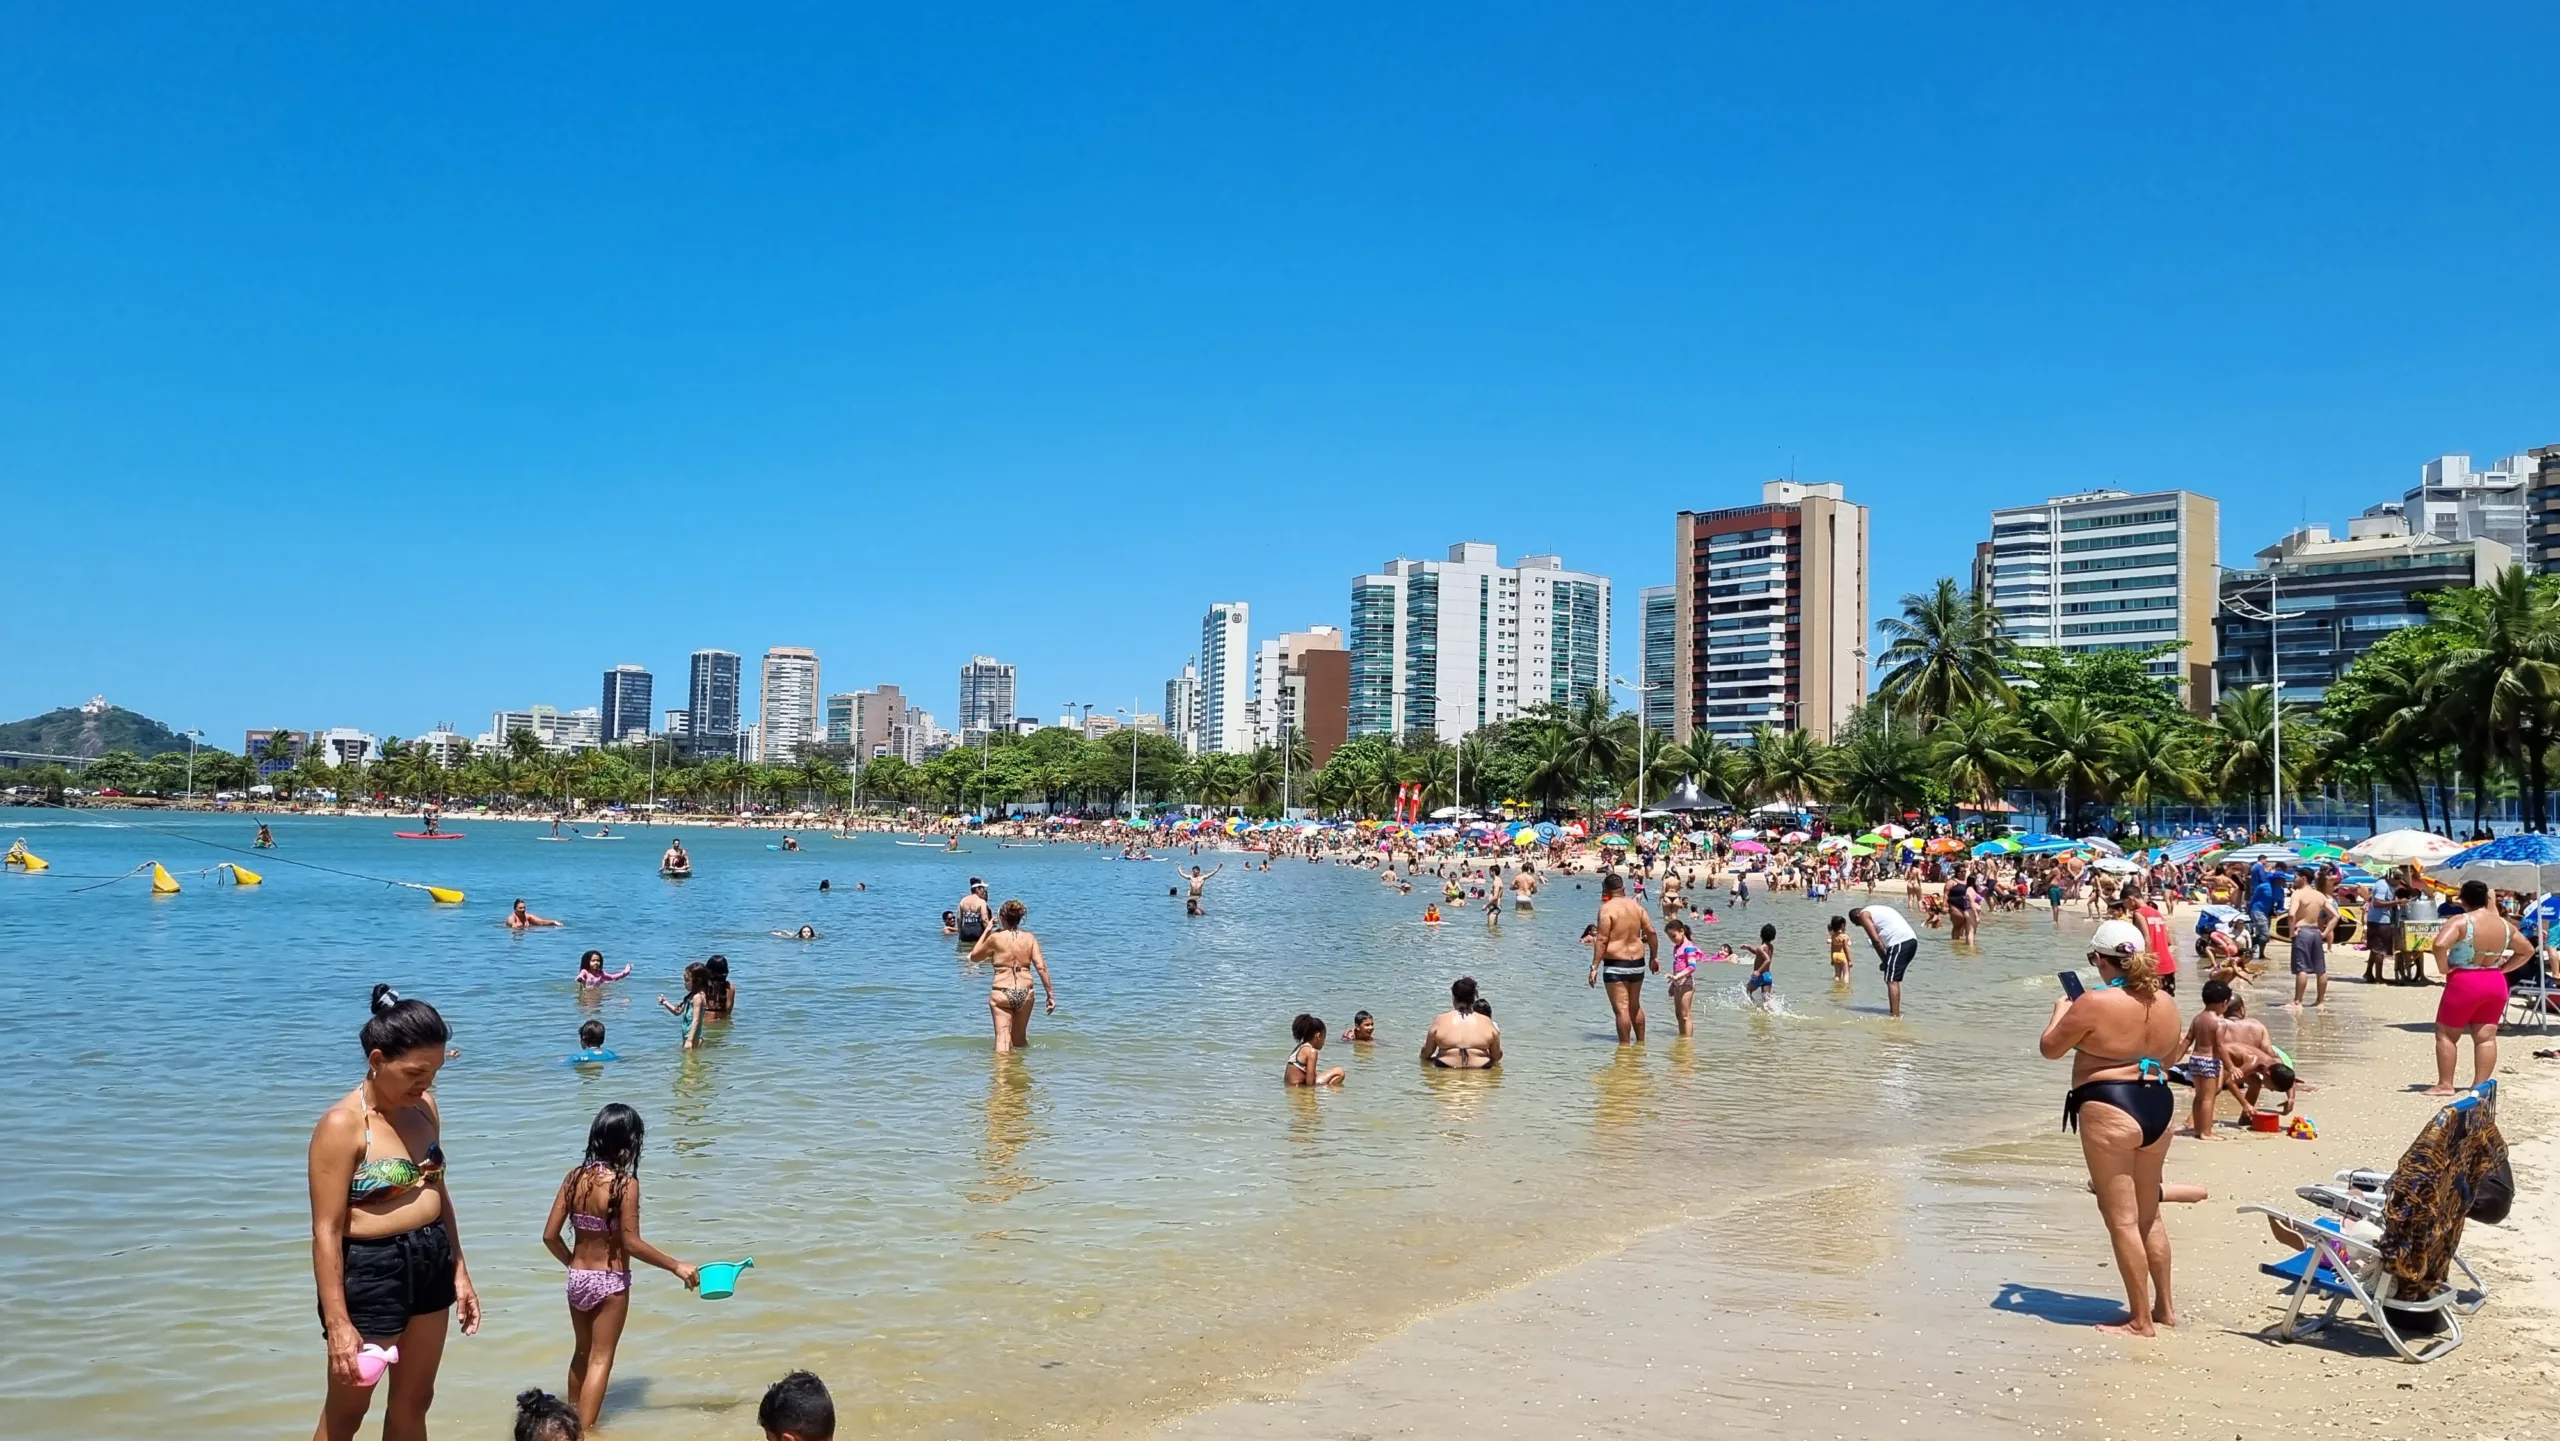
x=1130 y=1219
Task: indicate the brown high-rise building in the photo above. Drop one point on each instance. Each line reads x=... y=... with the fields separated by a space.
x=1322 y=679
x=1771 y=614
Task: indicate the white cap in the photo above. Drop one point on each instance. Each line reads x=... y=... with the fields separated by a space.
x=2118 y=938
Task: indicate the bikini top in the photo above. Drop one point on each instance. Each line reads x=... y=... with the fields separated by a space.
x=2461 y=953
x=588 y=1220
x=1308 y=1066
x=392 y=1175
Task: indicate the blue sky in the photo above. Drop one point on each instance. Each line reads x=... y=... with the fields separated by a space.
x=378 y=367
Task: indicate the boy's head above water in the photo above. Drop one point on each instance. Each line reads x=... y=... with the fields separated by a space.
x=797 y=1408
x=591 y=1034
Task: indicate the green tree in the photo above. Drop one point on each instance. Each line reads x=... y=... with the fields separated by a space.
x=1948 y=649
x=2071 y=744
x=1880 y=768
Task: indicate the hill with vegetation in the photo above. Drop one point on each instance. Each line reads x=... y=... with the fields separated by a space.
x=90 y=731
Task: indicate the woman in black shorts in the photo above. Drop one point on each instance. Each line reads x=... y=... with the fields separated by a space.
x=384 y=1248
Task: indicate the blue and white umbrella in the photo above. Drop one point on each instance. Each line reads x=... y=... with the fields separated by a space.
x=2529 y=863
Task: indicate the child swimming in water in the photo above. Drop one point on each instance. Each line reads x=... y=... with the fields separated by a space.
x=1301 y=1070
x=591 y=971
x=1364 y=1028
x=1431 y=914
x=591 y=1051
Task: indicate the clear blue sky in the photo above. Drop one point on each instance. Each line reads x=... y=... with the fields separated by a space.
x=384 y=366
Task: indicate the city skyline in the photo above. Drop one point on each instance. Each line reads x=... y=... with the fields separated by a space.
x=1310 y=290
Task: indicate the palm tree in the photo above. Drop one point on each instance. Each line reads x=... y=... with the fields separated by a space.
x=1789 y=765
x=1882 y=768
x=2071 y=745
x=1261 y=779
x=1720 y=770
x=2154 y=759
x=1600 y=741
x=1946 y=650
x=2243 y=737
x=2504 y=672
x=1555 y=775
x=1979 y=751
x=1434 y=766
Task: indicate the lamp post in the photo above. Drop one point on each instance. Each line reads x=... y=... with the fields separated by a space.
x=1132 y=713
x=2275 y=692
x=1620 y=682
x=192 y=737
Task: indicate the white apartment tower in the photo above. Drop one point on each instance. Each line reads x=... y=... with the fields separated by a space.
x=1182 y=707
x=986 y=695
x=1449 y=646
x=1226 y=680
x=787 y=719
x=2113 y=570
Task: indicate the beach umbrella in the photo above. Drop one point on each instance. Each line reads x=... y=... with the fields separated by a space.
x=1751 y=848
x=1871 y=840
x=1794 y=838
x=2102 y=845
x=1891 y=832
x=1745 y=834
x=1613 y=840
x=2319 y=851
x=1945 y=845
x=2180 y=852
x=2528 y=862
x=2115 y=865
x=2270 y=854
x=1859 y=851
x=1835 y=843
x=2393 y=848
x=2003 y=846
x=1524 y=838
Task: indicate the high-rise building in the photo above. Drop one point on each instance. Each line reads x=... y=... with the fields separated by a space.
x=2542 y=509
x=1182 y=707
x=679 y=725
x=839 y=719
x=1226 y=680
x=626 y=704
x=2113 y=570
x=877 y=713
x=2451 y=501
x=275 y=750
x=443 y=745
x=1319 y=685
x=1770 y=614
x=986 y=695
x=345 y=745
x=1275 y=660
x=2337 y=598
x=556 y=731
x=787 y=716
x=1448 y=646
x=1660 y=702
x=712 y=704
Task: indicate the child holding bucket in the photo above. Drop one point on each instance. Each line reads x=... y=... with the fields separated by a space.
x=600 y=1201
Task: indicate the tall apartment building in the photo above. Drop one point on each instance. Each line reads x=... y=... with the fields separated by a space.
x=1182 y=707
x=2113 y=570
x=275 y=750
x=986 y=695
x=345 y=745
x=711 y=708
x=2338 y=597
x=1769 y=620
x=1226 y=680
x=1660 y=702
x=1450 y=646
x=2542 y=510
x=787 y=714
x=556 y=731
x=1275 y=660
x=626 y=704
x=2451 y=501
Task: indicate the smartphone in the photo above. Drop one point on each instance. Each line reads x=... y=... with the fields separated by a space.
x=2070 y=983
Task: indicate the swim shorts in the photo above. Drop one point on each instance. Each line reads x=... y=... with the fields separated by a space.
x=1622 y=973
x=392 y=1278
x=1898 y=960
x=2473 y=997
x=1762 y=981
x=2310 y=952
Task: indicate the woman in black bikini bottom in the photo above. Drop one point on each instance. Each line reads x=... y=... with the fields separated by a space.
x=2124 y=1031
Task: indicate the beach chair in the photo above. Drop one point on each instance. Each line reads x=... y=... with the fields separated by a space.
x=2531 y=994
x=2344 y=1259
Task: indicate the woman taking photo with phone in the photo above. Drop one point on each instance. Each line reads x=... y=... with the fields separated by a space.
x=2125 y=1032
x=385 y=1252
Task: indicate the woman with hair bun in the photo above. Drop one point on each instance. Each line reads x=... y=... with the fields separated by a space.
x=2125 y=1030
x=1016 y=955
x=385 y=1252
x=541 y=1416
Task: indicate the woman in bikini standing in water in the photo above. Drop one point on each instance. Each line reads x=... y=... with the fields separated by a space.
x=1015 y=953
x=1461 y=1038
x=2126 y=1032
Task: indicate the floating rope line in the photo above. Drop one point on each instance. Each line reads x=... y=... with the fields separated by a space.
x=443 y=894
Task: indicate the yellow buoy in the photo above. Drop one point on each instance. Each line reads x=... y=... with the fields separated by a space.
x=450 y=898
x=162 y=883
x=21 y=856
x=241 y=875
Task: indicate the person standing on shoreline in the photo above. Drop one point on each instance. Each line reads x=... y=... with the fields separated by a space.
x=1623 y=947
x=385 y=1253
x=1015 y=953
x=1896 y=945
x=2123 y=1031
x=2314 y=916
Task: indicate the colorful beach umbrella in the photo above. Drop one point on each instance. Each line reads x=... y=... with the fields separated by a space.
x=1751 y=848
x=2392 y=848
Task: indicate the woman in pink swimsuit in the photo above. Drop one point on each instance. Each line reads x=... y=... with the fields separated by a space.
x=600 y=1201
x=2476 y=951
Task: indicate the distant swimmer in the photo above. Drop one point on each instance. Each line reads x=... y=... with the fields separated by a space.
x=675 y=862
x=805 y=933
x=1197 y=880
x=1309 y=1052
x=790 y=842
x=974 y=913
x=266 y=838
x=1364 y=1029
x=1016 y=956
x=1460 y=1038
x=520 y=919
x=591 y=971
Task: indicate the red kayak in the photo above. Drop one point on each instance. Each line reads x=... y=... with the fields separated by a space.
x=426 y=835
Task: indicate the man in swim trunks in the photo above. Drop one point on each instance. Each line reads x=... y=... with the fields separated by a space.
x=1524 y=887
x=2314 y=916
x=1623 y=947
x=974 y=912
x=1896 y=945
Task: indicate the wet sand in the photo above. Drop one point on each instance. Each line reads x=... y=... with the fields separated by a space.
x=1953 y=1295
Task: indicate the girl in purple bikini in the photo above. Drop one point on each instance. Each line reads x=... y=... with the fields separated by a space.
x=600 y=1202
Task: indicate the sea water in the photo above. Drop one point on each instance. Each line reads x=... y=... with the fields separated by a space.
x=1131 y=1218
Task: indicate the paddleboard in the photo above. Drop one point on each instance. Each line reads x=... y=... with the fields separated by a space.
x=926 y=845
x=555 y=838
x=425 y=836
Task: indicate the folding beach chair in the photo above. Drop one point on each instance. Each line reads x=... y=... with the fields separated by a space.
x=2344 y=1260
x=2531 y=994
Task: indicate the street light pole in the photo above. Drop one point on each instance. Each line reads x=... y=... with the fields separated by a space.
x=1132 y=714
x=192 y=737
x=2274 y=617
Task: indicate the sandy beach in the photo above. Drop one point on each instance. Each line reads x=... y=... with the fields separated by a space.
x=1952 y=1297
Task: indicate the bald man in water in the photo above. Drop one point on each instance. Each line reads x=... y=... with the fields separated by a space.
x=1623 y=949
